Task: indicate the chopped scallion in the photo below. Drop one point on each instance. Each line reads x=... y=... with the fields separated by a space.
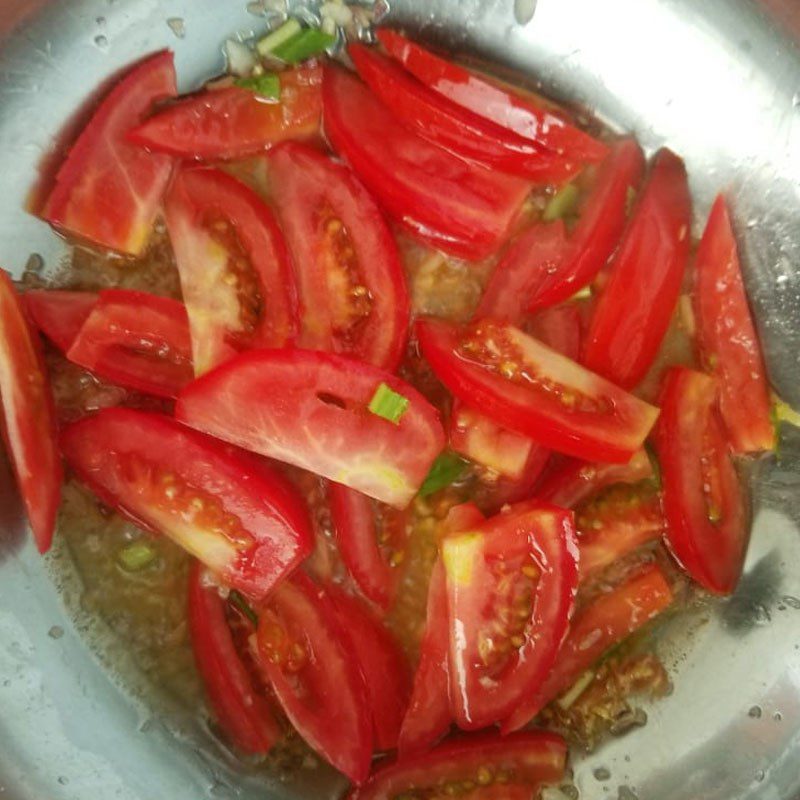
x=309 y=42
x=136 y=556
x=388 y=404
x=783 y=412
x=266 y=85
x=447 y=468
x=275 y=38
x=562 y=203
x=237 y=600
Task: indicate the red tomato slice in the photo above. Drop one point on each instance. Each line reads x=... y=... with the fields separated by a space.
x=383 y=666
x=29 y=428
x=574 y=482
x=595 y=237
x=242 y=520
x=521 y=561
x=235 y=271
x=527 y=759
x=137 y=340
x=59 y=315
x=455 y=128
x=636 y=305
x=310 y=409
x=303 y=650
x=429 y=717
x=703 y=499
x=492 y=101
x=107 y=190
x=371 y=542
x=457 y=206
x=605 y=622
x=728 y=343
x=242 y=712
x=353 y=294
x=527 y=387
x=233 y=122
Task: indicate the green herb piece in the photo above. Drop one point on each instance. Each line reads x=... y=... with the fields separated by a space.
x=307 y=43
x=783 y=412
x=266 y=85
x=562 y=203
x=279 y=36
x=447 y=468
x=388 y=404
x=136 y=556
x=237 y=600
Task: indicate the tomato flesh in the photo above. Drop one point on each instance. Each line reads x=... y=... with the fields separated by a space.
x=29 y=428
x=234 y=122
x=309 y=409
x=458 y=207
x=703 y=503
x=244 y=522
x=59 y=315
x=107 y=190
x=728 y=343
x=353 y=294
x=236 y=277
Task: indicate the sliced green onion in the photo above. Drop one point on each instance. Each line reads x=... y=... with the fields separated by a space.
x=266 y=85
x=268 y=43
x=388 y=404
x=237 y=600
x=136 y=556
x=783 y=412
x=562 y=203
x=447 y=468
x=307 y=43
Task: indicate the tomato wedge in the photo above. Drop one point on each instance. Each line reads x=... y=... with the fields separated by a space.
x=703 y=500
x=511 y=584
x=636 y=305
x=728 y=343
x=59 y=315
x=303 y=651
x=529 y=388
x=382 y=663
x=353 y=294
x=29 y=428
x=107 y=190
x=602 y=220
x=455 y=128
x=233 y=122
x=137 y=340
x=242 y=712
x=243 y=521
x=371 y=542
x=527 y=759
x=457 y=206
x=310 y=409
x=491 y=100
x=235 y=272
x=429 y=717
x=609 y=619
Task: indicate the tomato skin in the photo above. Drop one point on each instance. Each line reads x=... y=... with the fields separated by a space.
x=453 y=127
x=287 y=404
x=243 y=521
x=597 y=232
x=243 y=714
x=311 y=192
x=324 y=695
x=138 y=340
x=531 y=757
x=727 y=339
x=59 y=315
x=614 y=426
x=636 y=305
x=383 y=666
x=107 y=190
x=198 y=200
x=458 y=207
x=29 y=429
x=484 y=97
x=235 y=123
x=605 y=622
x=694 y=453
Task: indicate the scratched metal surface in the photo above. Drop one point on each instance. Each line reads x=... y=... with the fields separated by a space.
x=715 y=81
